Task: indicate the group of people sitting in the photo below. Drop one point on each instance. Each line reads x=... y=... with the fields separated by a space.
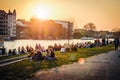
x=37 y=52
x=12 y=52
x=73 y=47
x=37 y=55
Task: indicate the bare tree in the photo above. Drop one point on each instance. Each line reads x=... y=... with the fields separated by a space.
x=116 y=32
x=90 y=27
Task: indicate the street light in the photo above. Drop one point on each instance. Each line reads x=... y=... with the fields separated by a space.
x=68 y=32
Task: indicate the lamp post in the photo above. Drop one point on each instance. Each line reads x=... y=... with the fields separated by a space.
x=68 y=33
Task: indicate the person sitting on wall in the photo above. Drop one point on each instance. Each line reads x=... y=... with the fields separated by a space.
x=19 y=50
x=22 y=50
x=14 y=52
x=27 y=48
x=3 y=50
x=9 y=52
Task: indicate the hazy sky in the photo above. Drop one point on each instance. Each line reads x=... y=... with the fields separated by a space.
x=105 y=14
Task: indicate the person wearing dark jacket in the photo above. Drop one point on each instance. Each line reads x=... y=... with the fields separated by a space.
x=52 y=54
x=116 y=43
x=38 y=56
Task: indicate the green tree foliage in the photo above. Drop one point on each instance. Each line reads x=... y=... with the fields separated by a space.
x=78 y=33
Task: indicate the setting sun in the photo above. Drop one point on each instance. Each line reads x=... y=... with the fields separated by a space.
x=41 y=12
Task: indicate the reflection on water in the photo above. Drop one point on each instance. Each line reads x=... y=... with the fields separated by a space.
x=44 y=43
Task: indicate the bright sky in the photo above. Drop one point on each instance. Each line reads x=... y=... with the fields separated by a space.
x=105 y=14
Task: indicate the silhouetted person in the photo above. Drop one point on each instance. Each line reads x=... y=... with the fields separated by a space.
x=22 y=50
x=9 y=52
x=116 y=43
x=14 y=52
x=107 y=42
x=52 y=54
x=103 y=42
x=38 y=56
x=3 y=50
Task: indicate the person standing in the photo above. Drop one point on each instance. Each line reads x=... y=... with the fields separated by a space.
x=116 y=43
x=103 y=42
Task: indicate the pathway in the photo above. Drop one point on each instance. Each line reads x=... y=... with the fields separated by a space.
x=104 y=66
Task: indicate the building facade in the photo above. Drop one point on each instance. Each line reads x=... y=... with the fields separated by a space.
x=7 y=24
x=67 y=28
x=22 y=29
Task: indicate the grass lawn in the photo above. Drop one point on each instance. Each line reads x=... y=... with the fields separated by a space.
x=26 y=69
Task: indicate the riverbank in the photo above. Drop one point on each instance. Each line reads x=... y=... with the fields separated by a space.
x=44 y=43
x=26 y=69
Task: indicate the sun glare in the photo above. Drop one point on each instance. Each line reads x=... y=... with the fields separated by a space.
x=41 y=12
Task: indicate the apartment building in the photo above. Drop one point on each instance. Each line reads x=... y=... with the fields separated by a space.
x=7 y=24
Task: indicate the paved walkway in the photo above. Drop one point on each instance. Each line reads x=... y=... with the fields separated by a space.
x=105 y=66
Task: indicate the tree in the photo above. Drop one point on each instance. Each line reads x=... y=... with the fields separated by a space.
x=116 y=32
x=83 y=33
x=103 y=34
x=90 y=28
x=76 y=34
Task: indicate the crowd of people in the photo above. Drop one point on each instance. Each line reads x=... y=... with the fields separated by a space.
x=37 y=52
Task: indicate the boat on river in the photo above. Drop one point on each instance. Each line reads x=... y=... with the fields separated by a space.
x=87 y=38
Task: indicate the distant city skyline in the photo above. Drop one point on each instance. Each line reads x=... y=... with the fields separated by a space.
x=103 y=13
